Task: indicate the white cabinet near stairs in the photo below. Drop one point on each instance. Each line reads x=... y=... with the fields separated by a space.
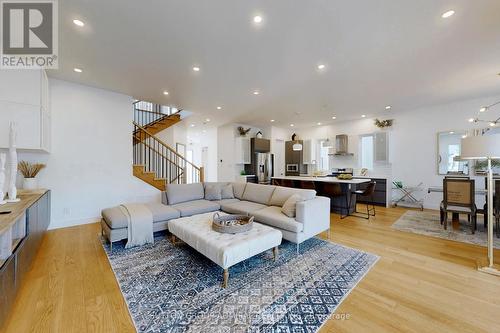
x=24 y=99
x=242 y=151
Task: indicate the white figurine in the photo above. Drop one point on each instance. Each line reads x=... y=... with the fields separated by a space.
x=3 y=157
x=12 y=190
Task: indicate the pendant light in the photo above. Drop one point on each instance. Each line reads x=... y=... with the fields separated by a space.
x=297 y=146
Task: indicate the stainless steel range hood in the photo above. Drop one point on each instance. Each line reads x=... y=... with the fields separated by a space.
x=342 y=145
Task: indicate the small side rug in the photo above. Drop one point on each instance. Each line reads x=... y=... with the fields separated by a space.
x=427 y=223
x=175 y=289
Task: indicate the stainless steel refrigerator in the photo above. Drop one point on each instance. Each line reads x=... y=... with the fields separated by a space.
x=264 y=166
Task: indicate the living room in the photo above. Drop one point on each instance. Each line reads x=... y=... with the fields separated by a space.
x=250 y=166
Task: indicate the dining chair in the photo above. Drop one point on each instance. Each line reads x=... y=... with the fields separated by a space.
x=459 y=198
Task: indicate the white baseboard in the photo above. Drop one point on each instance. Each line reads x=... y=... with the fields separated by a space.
x=72 y=223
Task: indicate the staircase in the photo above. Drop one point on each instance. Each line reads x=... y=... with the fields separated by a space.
x=154 y=161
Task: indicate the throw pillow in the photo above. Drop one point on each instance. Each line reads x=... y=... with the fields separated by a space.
x=212 y=192
x=289 y=208
x=227 y=191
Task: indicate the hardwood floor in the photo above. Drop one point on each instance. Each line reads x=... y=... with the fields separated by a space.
x=420 y=284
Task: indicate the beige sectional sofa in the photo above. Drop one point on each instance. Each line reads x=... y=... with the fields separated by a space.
x=262 y=201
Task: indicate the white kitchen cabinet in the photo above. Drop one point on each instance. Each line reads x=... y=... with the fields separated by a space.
x=308 y=152
x=381 y=147
x=242 y=151
x=24 y=99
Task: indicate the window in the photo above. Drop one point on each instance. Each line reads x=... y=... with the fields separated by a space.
x=367 y=151
x=453 y=151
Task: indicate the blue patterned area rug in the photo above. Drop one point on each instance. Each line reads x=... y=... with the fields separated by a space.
x=175 y=289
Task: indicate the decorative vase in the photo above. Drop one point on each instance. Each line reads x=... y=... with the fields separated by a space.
x=3 y=158
x=30 y=184
x=12 y=190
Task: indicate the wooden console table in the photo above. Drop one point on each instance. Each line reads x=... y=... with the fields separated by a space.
x=21 y=233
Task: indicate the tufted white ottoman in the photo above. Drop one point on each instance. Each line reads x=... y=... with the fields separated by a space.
x=225 y=250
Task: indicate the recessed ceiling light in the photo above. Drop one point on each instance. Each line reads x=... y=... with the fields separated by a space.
x=471 y=120
x=363 y=116
x=484 y=108
x=165 y=92
x=78 y=70
x=319 y=124
x=219 y=108
x=78 y=23
x=388 y=107
x=257 y=19
x=492 y=124
x=334 y=117
x=207 y=120
x=448 y=14
x=272 y=120
x=452 y=132
x=196 y=69
x=464 y=136
x=192 y=125
x=321 y=66
x=256 y=92
x=291 y=125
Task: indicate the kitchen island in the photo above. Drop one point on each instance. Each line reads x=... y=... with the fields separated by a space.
x=325 y=186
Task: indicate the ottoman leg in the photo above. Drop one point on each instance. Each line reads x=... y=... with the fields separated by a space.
x=226 y=278
x=275 y=253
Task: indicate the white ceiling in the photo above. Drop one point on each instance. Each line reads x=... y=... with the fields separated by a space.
x=397 y=52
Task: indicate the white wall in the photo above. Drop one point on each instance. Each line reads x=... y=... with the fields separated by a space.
x=227 y=169
x=90 y=165
x=412 y=141
x=208 y=139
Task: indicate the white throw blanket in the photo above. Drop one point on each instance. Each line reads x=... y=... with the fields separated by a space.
x=140 y=224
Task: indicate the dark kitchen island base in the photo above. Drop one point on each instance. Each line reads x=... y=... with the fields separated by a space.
x=342 y=204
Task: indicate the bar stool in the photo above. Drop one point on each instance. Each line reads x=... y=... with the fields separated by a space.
x=334 y=190
x=367 y=193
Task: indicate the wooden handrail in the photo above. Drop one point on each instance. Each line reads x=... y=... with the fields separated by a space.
x=167 y=146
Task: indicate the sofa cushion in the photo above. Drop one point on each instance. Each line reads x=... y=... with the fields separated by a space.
x=213 y=192
x=177 y=193
x=196 y=207
x=238 y=189
x=281 y=194
x=289 y=207
x=258 y=193
x=115 y=218
x=274 y=217
x=227 y=191
x=241 y=207
x=227 y=201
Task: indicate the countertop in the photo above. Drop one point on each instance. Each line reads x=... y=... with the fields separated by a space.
x=372 y=177
x=326 y=179
x=18 y=209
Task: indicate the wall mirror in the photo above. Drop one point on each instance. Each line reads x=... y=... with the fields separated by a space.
x=449 y=147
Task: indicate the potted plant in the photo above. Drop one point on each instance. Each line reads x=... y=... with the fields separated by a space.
x=29 y=172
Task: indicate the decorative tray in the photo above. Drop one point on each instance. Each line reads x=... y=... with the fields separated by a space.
x=232 y=224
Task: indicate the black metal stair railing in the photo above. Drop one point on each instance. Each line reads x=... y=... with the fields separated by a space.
x=147 y=113
x=158 y=157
